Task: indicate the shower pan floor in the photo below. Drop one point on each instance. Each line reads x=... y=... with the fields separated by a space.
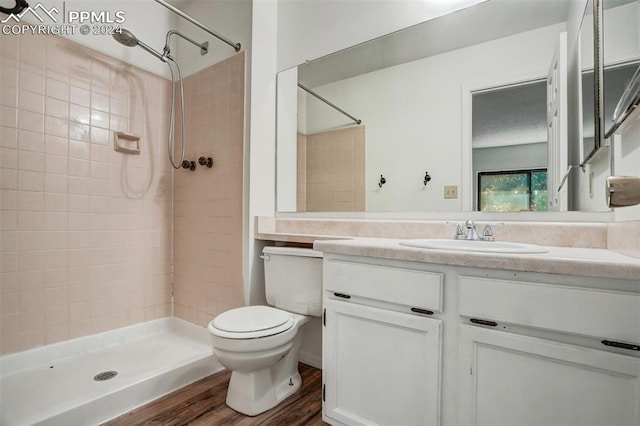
x=55 y=385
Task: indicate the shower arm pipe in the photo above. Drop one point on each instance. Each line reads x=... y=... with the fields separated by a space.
x=326 y=101
x=152 y=51
x=204 y=47
x=177 y=11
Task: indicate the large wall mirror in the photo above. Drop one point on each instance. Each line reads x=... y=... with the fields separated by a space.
x=471 y=111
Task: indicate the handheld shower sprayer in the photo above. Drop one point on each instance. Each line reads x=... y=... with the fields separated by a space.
x=126 y=38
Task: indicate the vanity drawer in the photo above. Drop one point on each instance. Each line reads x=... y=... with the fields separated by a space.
x=409 y=287
x=585 y=311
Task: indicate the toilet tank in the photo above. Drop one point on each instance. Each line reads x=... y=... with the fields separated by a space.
x=293 y=279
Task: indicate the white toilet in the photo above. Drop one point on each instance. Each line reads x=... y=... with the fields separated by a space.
x=260 y=344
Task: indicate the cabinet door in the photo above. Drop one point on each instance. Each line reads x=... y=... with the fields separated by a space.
x=515 y=380
x=380 y=367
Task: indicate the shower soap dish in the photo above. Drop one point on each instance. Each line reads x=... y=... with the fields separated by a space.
x=127 y=143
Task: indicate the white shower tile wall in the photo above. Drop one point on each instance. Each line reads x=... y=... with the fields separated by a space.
x=208 y=202
x=85 y=231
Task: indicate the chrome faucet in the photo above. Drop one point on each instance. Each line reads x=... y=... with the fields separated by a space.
x=469 y=232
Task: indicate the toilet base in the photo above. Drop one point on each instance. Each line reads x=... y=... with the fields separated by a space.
x=255 y=392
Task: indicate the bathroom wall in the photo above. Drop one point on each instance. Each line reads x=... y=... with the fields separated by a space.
x=334 y=170
x=208 y=202
x=85 y=231
x=231 y=18
x=261 y=196
x=301 y=173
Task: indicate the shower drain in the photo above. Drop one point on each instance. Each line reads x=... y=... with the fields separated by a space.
x=105 y=375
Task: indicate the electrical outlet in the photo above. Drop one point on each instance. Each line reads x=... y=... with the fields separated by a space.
x=451 y=191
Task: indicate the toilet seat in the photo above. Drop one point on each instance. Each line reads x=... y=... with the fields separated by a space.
x=251 y=322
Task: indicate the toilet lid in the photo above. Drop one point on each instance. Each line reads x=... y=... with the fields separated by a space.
x=251 y=319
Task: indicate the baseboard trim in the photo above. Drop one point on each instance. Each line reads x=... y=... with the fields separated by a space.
x=310 y=359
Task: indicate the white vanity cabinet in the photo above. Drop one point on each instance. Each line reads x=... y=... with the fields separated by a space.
x=512 y=379
x=381 y=359
x=411 y=343
x=533 y=354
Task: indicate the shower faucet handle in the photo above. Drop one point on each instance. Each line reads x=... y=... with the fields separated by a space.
x=205 y=161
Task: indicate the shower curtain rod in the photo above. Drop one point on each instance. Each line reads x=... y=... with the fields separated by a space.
x=177 y=11
x=337 y=108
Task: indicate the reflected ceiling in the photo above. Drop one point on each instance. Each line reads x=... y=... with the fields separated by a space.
x=483 y=22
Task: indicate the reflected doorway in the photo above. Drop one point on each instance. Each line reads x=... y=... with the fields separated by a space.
x=509 y=148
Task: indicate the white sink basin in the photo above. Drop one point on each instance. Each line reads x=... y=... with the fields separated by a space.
x=474 y=245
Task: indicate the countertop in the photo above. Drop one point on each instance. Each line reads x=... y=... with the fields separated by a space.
x=587 y=262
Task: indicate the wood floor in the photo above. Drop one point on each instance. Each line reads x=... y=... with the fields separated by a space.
x=203 y=403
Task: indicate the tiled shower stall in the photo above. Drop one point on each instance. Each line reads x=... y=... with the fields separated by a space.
x=93 y=239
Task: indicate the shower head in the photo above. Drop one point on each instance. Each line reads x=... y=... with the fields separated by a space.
x=126 y=38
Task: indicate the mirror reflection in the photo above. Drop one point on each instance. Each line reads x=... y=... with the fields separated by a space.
x=481 y=111
x=509 y=148
x=621 y=56
x=621 y=39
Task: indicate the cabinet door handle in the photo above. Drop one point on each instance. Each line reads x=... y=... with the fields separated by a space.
x=422 y=311
x=342 y=295
x=621 y=345
x=483 y=322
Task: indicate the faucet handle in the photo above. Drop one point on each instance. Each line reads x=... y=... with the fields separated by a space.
x=459 y=230
x=487 y=231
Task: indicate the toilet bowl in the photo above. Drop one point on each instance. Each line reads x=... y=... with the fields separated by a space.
x=264 y=366
x=260 y=344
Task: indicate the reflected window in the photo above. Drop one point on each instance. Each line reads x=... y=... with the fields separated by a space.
x=512 y=190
